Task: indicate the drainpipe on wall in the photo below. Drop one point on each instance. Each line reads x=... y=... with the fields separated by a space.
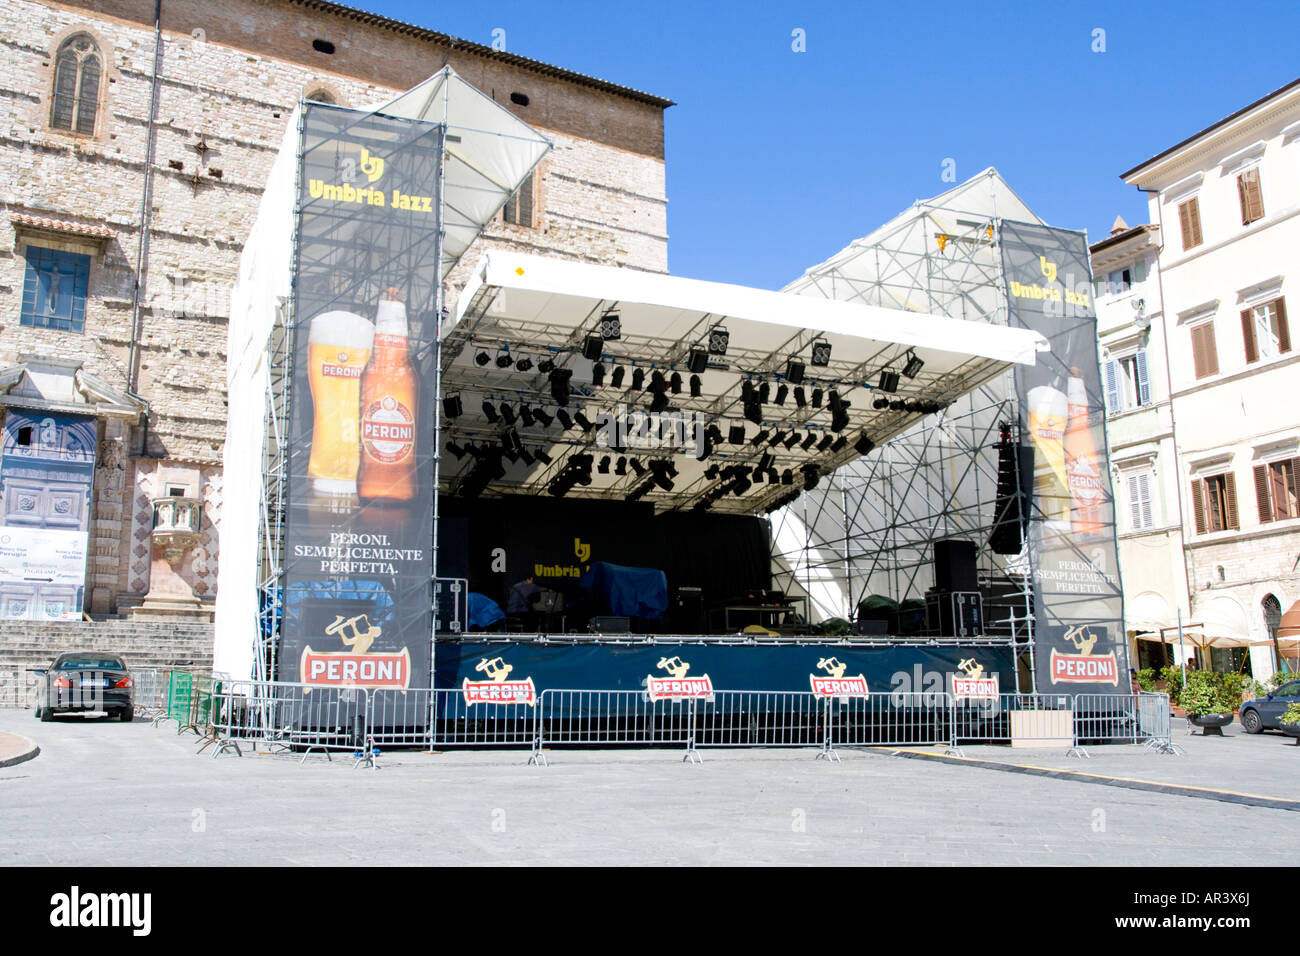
x=146 y=199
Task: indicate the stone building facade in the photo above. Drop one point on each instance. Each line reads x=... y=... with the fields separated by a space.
x=132 y=159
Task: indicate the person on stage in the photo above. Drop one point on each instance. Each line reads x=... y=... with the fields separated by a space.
x=520 y=600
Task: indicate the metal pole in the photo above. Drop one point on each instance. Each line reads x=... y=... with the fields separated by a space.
x=1181 y=652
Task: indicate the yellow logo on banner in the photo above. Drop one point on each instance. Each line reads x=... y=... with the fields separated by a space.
x=372 y=166
x=836 y=684
x=1084 y=667
x=357 y=666
x=497 y=689
x=677 y=686
x=1049 y=268
x=974 y=684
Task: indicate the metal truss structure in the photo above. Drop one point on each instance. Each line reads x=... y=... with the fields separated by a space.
x=871 y=530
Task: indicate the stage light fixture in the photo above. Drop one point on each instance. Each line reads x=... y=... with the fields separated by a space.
x=800 y=399
x=809 y=441
x=736 y=435
x=559 y=378
x=863 y=444
x=791 y=440
x=811 y=475
x=794 y=372
x=637 y=468
x=787 y=477
x=817 y=398
x=711 y=472
x=741 y=485
x=542 y=456
x=825 y=442
x=821 y=353
x=503 y=357
x=714 y=433
x=888 y=381
x=719 y=339
x=659 y=403
x=526 y=416
x=766 y=461
x=545 y=417
x=772 y=476
x=759 y=438
x=511 y=443
x=697 y=361
x=456 y=450
x=695 y=386
x=752 y=407
x=526 y=456
x=490 y=412
x=638 y=379
x=565 y=421
x=880 y=403
x=603 y=467
x=616 y=380
x=914 y=365
x=620 y=466
x=598 y=375
x=583 y=421
x=481 y=358
x=657 y=381
x=611 y=327
x=524 y=364
x=775 y=440
x=839 y=412
x=839 y=443
x=452 y=406
x=507 y=413
x=675 y=383
x=781 y=392
x=757 y=477
x=764 y=392
x=546 y=365
x=897 y=405
x=911 y=405
x=592 y=346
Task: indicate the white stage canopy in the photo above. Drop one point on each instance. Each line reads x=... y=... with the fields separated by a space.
x=488 y=154
x=528 y=307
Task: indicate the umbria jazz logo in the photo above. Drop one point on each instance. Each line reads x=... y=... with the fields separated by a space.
x=677 y=686
x=1084 y=667
x=357 y=666
x=835 y=684
x=372 y=168
x=972 y=684
x=498 y=688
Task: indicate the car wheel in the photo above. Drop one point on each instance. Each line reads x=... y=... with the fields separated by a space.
x=125 y=715
x=47 y=714
x=38 y=711
x=1251 y=723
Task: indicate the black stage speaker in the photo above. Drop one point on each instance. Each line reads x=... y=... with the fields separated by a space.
x=954 y=565
x=688 y=611
x=609 y=624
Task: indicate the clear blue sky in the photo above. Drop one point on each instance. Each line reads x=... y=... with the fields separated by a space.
x=777 y=159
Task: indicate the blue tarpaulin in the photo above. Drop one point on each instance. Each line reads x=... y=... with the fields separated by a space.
x=629 y=592
x=483 y=611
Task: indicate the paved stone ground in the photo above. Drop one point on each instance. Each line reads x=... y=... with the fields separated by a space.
x=104 y=792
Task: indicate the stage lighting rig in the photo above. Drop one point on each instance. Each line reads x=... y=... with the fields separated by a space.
x=787 y=477
x=914 y=365
x=888 y=381
x=525 y=364
x=457 y=450
x=598 y=375
x=637 y=468
x=545 y=417
x=695 y=386
x=775 y=440
x=559 y=379
x=759 y=438
x=663 y=471
x=719 y=339
x=826 y=442
x=611 y=327
x=526 y=456
x=782 y=391
x=711 y=472
x=811 y=475
x=546 y=365
x=510 y=442
x=764 y=392
x=659 y=403
x=542 y=456
x=697 y=361
x=793 y=373
x=507 y=413
x=817 y=398
x=753 y=408
x=736 y=435
x=791 y=440
x=526 y=416
x=638 y=379
x=766 y=461
x=616 y=380
x=809 y=441
x=603 y=467
x=481 y=358
x=675 y=383
x=503 y=357
x=566 y=422
x=839 y=412
x=880 y=403
x=821 y=353
x=490 y=412
x=800 y=399
x=583 y=422
x=839 y=443
x=897 y=405
x=592 y=347
x=452 y=406
x=863 y=444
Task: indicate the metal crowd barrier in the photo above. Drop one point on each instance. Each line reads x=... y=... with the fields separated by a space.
x=149 y=691
x=17 y=689
x=306 y=717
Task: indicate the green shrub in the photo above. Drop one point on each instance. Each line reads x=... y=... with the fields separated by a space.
x=1205 y=694
x=1147 y=678
x=1292 y=715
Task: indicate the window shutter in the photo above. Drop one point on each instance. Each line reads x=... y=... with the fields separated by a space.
x=1276 y=473
x=1230 y=500
x=1292 y=488
x=1143 y=382
x=1140 y=271
x=1283 y=333
x=526 y=202
x=1111 y=374
x=1134 y=511
x=1189 y=217
x=1252 y=198
x=1248 y=334
x=1262 y=498
x=1205 y=356
x=1144 y=486
x=1198 y=504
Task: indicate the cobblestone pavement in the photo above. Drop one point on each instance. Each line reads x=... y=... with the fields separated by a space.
x=103 y=792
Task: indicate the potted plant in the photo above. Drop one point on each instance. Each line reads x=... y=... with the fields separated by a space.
x=1208 y=704
x=1290 y=723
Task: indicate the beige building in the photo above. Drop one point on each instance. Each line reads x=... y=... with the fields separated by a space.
x=132 y=158
x=1225 y=204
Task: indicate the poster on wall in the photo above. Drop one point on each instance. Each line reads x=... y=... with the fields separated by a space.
x=358 y=560
x=42 y=573
x=1078 y=606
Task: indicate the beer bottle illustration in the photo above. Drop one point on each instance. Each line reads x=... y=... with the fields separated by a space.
x=338 y=348
x=388 y=409
x=1081 y=461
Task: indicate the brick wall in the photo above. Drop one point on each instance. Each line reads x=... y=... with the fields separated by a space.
x=231 y=73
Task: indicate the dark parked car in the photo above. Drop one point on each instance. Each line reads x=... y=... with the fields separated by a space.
x=1265 y=712
x=83 y=682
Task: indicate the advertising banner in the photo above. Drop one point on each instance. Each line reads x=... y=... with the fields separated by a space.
x=1078 y=607
x=359 y=529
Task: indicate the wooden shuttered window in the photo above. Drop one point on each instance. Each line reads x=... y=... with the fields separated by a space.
x=1276 y=491
x=1214 y=503
x=1252 y=199
x=1283 y=333
x=1205 y=353
x=1139 y=502
x=1264 y=330
x=1189 y=218
x=519 y=208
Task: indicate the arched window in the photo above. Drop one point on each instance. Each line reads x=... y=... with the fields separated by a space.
x=1272 y=609
x=78 y=69
x=321 y=96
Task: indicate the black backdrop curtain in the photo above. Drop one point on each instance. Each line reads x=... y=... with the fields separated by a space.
x=497 y=542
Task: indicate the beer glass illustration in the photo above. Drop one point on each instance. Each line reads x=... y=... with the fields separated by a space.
x=338 y=348
x=1048 y=410
x=1086 y=496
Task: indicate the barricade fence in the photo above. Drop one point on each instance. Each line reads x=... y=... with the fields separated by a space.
x=308 y=717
